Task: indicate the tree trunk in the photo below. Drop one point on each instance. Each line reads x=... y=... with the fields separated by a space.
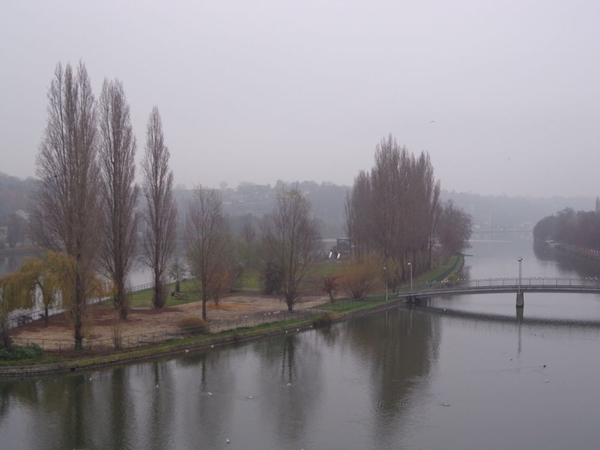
x=158 y=299
x=4 y=331
x=122 y=299
x=78 y=307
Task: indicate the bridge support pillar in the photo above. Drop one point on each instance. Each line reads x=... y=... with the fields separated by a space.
x=520 y=299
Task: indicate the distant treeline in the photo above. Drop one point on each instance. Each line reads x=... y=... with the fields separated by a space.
x=252 y=200
x=14 y=193
x=495 y=212
x=581 y=228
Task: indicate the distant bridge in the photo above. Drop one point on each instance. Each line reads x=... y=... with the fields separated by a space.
x=502 y=285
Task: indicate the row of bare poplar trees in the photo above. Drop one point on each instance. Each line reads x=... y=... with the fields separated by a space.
x=394 y=211
x=85 y=205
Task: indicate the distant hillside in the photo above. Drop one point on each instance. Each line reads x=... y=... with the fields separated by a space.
x=502 y=212
x=327 y=199
x=327 y=202
x=14 y=193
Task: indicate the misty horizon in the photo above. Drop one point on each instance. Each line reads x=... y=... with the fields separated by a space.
x=502 y=96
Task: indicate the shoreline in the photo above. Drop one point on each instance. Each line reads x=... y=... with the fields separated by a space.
x=84 y=363
x=182 y=346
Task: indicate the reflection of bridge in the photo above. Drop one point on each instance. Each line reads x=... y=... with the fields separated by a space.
x=502 y=285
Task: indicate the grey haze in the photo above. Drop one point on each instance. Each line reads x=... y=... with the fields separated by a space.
x=503 y=95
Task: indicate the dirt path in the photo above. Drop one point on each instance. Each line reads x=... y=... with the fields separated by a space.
x=232 y=310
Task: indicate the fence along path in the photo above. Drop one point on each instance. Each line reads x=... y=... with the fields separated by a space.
x=122 y=340
x=22 y=317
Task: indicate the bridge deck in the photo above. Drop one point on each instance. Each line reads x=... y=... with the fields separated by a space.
x=505 y=285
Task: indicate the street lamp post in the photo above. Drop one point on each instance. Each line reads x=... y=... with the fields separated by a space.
x=520 y=299
x=385 y=276
x=411 y=283
x=520 y=273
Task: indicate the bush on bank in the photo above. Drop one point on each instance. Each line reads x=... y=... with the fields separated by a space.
x=18 y=352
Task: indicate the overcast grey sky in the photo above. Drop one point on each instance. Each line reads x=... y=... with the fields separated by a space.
x=301 y=90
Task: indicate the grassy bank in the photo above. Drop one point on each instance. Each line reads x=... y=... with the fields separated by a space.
x=321 y=315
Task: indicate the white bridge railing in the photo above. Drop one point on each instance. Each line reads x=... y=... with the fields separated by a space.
x=513 y=282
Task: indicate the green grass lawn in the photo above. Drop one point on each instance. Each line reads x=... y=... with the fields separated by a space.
x=143 y=299
x=436 y=272
x=250 y=281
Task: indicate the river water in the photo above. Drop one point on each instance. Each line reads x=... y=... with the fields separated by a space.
x=456 y=373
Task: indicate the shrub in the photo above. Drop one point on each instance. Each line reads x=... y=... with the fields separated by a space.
x=193 y=325
x=326 y=319
x=360 y=275
x=17 y=352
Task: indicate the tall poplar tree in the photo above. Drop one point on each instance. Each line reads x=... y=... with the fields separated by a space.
x=65 y=212
x=117 y=146
x=160 y=214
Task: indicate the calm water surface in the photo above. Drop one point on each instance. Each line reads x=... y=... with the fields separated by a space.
x=457 y=373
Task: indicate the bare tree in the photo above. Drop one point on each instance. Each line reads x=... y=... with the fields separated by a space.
x=359 y=214
x=161 y=213
x=248 y=232
x=455 y=228
x=65 y=211
x=177 y=272
x=16 y=228
x=208 y=243
x=291 y=241
x=330 y=286
x=394 y=209
x=117 y=148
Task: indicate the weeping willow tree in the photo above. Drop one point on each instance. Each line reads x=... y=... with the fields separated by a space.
x=46 y=280
x=13 y=296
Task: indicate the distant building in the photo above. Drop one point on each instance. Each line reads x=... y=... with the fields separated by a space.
x=25 y=216
x=597 y=205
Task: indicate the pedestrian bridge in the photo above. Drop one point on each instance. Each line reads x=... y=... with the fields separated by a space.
x=501 y=285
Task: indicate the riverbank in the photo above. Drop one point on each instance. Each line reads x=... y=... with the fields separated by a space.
x=585 y=253
x=312 y=315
